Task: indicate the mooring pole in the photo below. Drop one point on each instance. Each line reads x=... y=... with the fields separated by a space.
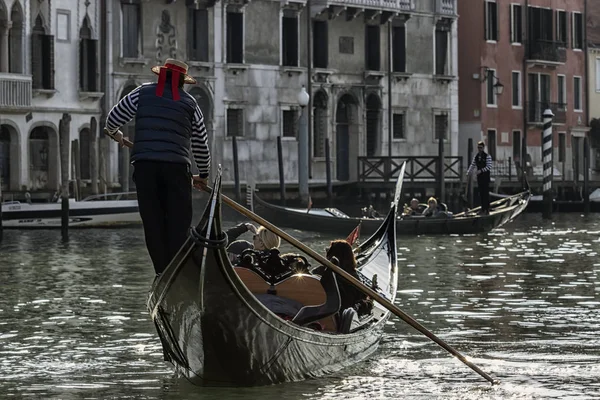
x=547 y=156
x=586 y=175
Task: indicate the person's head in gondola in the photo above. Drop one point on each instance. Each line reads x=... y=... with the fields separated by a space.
x=342 y=250
x=264 y=239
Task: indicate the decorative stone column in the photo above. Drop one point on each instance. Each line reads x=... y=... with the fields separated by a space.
x=4 y=56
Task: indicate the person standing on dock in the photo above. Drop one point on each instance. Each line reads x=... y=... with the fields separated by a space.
x=169 y=130
x=482 y=163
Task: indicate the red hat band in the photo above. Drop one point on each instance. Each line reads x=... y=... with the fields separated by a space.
x=176 y=70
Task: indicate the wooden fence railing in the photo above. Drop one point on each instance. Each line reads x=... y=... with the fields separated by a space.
x=421 y=168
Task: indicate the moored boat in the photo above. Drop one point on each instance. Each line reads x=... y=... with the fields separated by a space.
x=216 y=331
x=334 y=221
x=93 y=212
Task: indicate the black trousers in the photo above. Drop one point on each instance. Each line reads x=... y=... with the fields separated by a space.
x=484 y=193
x=164 y=192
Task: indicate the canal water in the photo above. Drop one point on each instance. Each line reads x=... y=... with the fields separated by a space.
x=520 y=302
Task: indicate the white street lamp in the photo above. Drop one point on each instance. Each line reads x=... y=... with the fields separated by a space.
x=303 y=97
x=303 y=159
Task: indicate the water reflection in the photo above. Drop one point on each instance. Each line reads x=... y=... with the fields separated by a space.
x=521 y=303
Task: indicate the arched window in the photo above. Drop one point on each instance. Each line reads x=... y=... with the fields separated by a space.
x=88 y=58
x=42 y=56
x=15 y=40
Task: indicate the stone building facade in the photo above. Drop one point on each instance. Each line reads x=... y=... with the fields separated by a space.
x=250 y=59
x=49 y=58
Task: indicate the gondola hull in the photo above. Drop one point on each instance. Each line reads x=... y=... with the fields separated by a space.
x=472 y=223
x=217 y=333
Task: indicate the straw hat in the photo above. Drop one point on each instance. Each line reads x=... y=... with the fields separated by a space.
x=176 y=66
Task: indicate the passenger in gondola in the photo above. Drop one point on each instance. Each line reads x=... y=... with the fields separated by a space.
x=234 y=233
x=370 y=212
x=432 y=208
x=350 y=296
x=262 y=240
x=414 y=209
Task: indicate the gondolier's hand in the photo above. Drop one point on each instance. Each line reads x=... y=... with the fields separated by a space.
x=118 y=137
x=199 y=182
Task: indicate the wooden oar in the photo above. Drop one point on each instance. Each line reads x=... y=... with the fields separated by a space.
x=355 y=282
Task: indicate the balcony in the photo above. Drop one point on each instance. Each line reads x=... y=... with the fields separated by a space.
x=445 y=7
x=546 y=52
x=535 y=112
x=383 y=5
x=15 y=91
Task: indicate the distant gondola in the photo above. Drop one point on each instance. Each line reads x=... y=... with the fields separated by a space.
x=216 y=332
x=334 y=221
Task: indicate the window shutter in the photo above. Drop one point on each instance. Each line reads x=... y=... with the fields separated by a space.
x=82 y=65
x=92 y=64
x=496 y=22
x=485 y=20
x=201 y=35
x=48 y=61
x=36 y=60
x=399 y=49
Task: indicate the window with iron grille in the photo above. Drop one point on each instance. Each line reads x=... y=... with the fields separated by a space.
x=235 y=122
x=289 y=126
x=398 y=126
x=441 y=126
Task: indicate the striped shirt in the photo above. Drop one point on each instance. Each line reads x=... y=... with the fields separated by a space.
x=125 y=110
x=488 y=164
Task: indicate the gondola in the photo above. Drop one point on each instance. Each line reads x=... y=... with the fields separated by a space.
x=216 y=331
x=334 y=221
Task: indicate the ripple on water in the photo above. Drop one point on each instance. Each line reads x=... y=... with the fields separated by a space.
x=521 y=303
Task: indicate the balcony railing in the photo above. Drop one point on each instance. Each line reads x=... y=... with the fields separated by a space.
x=445 y=7
x=15 y=91
x=395 y=5
x=535 y=112
x=546 y=50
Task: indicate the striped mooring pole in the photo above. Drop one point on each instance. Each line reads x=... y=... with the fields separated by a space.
x=547 y=157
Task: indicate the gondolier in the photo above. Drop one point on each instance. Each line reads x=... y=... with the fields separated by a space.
x=169 y=130
x=482 y=163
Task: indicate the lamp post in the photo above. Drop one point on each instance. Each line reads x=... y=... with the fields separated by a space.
x=497 y=87
x=303 y=100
